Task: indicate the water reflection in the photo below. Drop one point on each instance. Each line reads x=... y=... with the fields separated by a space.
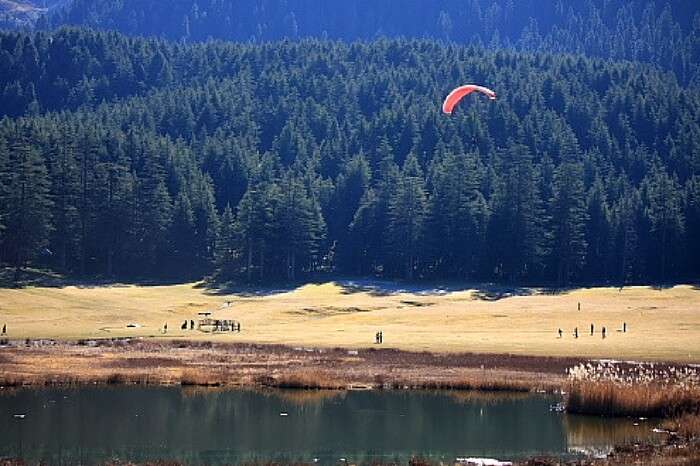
x=205 y=426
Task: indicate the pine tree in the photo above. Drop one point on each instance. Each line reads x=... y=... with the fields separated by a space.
x=351 y=185
x=663 y=198
x=227 y=245
x=407 y=210
x=27 y=204
x=517 y=231
x=597 y=232
x=457 y=216
x=64 y=192
x=297 y=224
x=568 y=217
x=253 y=218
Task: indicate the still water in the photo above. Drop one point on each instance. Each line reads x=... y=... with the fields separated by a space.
x=218 y=427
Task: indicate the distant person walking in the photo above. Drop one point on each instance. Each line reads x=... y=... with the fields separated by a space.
x=165 y=327
x=381 y=337
x=191 y=324
x=560 y=333
x=4 y=329
x=592 y=329
x=576 y=332
x=183 y=326
x=579 y=306
x=624 y=327
x=603 y=332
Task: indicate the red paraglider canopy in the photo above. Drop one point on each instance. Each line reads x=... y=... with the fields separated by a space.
x=456 y=95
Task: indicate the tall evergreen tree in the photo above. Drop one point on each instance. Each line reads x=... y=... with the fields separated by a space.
x=664 y=210
x=568 y=217
x=407 y=211
x=27 y=204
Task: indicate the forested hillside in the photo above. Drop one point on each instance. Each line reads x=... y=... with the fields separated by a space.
x=24 y=13
x=663 y=32
x=273 y=161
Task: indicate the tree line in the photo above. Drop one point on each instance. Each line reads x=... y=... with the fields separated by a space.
x=663 y=32
x=276 y=161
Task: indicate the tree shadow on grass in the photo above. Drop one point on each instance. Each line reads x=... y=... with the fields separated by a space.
x=483 y=291
x=32 y=277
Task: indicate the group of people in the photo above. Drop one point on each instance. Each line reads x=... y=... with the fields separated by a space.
x=603 y=331
x=184 y=325
x=379 y=337
x=232 y=326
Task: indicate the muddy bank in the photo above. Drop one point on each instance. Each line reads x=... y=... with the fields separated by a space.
x=671 y=453
x=134 y=361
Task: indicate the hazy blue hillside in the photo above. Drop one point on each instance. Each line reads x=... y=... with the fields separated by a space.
x=664 y=32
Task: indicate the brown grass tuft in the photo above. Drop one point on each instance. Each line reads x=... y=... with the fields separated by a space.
x=650 y=400
x=200 y=378
x=308 y=379
x=687 y=426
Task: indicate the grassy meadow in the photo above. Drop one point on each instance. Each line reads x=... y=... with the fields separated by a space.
x=662 y=324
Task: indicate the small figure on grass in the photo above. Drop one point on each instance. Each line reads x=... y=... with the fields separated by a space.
x=191 y=324
x=603 y=333
x=165 y=328
x=560 y=333
x=576 y=332
x=4 y=329
x=183 y=326
x=592 y=329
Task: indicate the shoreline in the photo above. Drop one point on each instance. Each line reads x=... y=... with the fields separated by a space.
x=34 y=363
x=135 y=362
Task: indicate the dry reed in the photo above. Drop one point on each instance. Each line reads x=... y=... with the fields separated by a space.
x=650 y=400
x=307 y=379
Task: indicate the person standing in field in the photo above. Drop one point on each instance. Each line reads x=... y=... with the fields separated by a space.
x=592 y=329
x=165 y=328
x=603 y=332
x=560 y=333
x=576 y=332
x=624 y=327
x=4 y=329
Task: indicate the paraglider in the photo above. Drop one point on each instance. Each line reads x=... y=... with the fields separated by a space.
x=457 y=94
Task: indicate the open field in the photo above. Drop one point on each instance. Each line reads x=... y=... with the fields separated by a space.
x=662 y=324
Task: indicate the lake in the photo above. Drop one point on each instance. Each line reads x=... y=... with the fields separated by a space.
x=207 y=426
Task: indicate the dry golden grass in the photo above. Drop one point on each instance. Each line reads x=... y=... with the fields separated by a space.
x=247 y=365
x=662 y=324
x=650 y=400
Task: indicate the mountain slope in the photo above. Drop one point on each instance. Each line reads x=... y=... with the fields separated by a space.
x=663 y=32
x=279 y=159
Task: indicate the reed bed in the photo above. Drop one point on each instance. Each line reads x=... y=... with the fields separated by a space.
x=634 y=389
x=485 y=384
x=687 y=426
x=305 y=380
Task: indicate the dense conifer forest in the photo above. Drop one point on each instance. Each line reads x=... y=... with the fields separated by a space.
x=663 y=32
x=132 y=157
